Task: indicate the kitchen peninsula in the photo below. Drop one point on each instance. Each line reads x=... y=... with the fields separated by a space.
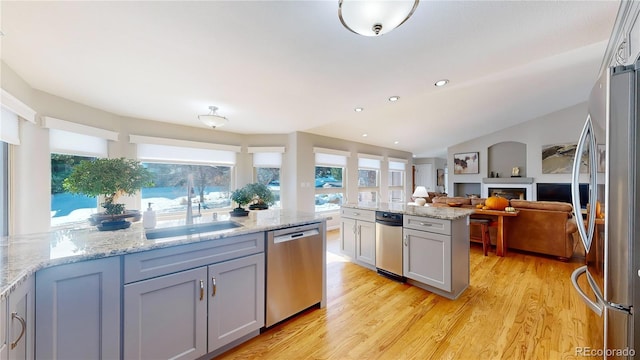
x=117 y=294
x=434 y=241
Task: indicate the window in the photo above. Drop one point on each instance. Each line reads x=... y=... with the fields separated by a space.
x=211 y=187
x=69 y=144
x=396 y=180
x=368 y=178
x=329 y=179
x=174 y=162
x=267 y=163
x=65 y=206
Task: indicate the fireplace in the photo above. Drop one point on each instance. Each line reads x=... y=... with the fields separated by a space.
x=510 y=188
x=508 y=193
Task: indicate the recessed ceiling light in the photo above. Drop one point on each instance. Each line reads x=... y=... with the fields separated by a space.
x=358 y=109
x=396 y=142
x=365 y=135
x=394 y=98
x=442 y=82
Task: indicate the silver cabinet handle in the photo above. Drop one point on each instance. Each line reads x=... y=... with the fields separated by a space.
x=201 y=290
x=214 y=287
x=359 y=230
x=356 y=214
x=406 y=240
x=23 y=324
x=426 y=224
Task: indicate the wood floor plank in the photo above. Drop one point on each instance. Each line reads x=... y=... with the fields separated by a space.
x=520 y=306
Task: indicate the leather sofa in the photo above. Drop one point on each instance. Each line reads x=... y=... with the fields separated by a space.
x=543 y=227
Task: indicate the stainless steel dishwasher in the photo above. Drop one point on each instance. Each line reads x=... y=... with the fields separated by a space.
x=294 y=271
x=389 y=245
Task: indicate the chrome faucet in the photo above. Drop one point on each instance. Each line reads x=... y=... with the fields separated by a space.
x=189 y=220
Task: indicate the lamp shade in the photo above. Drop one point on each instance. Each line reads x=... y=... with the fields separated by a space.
x=420 y=191
x=375 y=17
x=212 y=119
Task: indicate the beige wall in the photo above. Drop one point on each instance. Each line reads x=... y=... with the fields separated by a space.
x=30 y=191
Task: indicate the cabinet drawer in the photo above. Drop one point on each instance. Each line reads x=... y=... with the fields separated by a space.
x=153 y=263
x=358 y=214
x=422 y=223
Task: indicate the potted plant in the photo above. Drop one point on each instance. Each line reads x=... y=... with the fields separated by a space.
x=242 y=197
x=110 y=178
x=261 y=196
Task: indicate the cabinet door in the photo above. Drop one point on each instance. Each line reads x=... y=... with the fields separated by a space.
x=427 y=258
x=236 y=299
x=78 y=307
x=166 y=317
x=4 y=345
x=348 y=237
x=21 y=321
x=366 y=244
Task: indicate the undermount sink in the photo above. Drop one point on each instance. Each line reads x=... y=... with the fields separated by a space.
x=191 y=229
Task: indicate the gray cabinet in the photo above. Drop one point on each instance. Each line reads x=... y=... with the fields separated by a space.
x=78 y=307
x=4 y=345
x=358 y=235
x=436 y=254
x=187 y=301
x=21 y=321
x=236 y=301
x=166 y=317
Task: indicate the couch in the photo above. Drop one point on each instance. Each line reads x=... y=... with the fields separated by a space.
x=543 y=227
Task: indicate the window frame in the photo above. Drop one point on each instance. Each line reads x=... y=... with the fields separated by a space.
x=369 y=163
x=400 y=166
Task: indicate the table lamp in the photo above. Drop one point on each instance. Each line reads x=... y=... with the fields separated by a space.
x=419 y=195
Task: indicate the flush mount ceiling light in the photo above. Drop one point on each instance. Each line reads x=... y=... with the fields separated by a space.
x=358 y=109
x=442 y=82
x=212 y=119
x=394 y=98
x=374 y=17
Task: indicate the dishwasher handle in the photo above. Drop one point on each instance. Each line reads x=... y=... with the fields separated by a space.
x=295 y=236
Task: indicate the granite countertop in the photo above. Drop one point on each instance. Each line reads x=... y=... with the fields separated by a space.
x=437 y=212
x=23 y=255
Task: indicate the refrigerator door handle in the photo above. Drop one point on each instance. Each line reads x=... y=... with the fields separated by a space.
x=586 y=234
x=607 y=304
x=596 y=307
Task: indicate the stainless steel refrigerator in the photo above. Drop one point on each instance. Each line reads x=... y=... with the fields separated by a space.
x=612 y=270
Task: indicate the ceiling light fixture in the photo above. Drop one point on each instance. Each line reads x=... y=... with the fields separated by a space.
x=396 y=142
x=358 y=109
x=365 y=135
x=394 y=98
x=442 y=82
x=374 y=18
x=212 y=119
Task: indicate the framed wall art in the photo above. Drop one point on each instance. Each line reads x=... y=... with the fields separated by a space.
x=466 y=163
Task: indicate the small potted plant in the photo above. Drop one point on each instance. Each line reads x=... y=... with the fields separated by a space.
x=242 y=197
x=110 y=178
x=261 y=196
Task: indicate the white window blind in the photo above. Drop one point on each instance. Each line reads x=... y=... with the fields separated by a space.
x=70 y=138
x=9 y=127
x=397 y=164
x=369 y=161
x=267 y=156
x=182 y=151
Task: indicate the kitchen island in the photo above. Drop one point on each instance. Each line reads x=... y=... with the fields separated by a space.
x=435 y=243
x=99 y=294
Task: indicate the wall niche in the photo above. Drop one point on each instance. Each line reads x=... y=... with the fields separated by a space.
x=504 y=156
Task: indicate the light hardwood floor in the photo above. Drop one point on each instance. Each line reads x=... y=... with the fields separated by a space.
x=516 y=307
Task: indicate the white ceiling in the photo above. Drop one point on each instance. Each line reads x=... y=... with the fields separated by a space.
x=284 y=66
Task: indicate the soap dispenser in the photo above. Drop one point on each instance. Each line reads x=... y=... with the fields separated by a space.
x=149 y=218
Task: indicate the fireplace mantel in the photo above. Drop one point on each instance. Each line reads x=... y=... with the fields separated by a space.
x=509 y=180
x=508 y=183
